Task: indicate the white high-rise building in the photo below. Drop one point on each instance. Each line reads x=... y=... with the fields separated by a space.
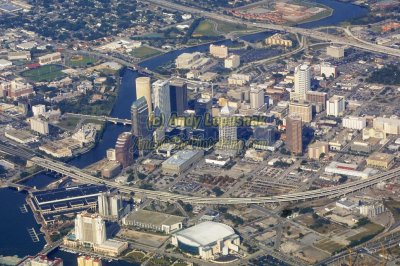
x=110 y=205
x=257 y=97
x=354 y=122
x=38 y=110
x=335 y=106
x=90 y=229
x=162 y=99
x=227 y=126
x=302 y=82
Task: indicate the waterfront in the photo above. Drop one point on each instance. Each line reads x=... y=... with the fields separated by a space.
x=15 y=239
x=15 y=223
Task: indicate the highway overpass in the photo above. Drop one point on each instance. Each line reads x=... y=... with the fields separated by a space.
x=331 y=192
x=101 y=118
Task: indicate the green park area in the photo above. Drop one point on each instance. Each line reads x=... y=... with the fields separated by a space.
x=80 y=61
x=144 y=52
x=44 y=73
x=369 y=230
x=211 y=28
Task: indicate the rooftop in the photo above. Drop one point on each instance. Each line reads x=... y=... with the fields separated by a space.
x=205 y=233
x=181 y=157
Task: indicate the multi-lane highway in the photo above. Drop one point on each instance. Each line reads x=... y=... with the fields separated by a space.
x=332 y=192
x=319 y=35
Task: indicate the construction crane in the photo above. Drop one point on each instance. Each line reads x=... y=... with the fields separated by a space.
x=350 y=256
x=384 y=255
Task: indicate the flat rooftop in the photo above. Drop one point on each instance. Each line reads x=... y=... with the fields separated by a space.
x=156 y=218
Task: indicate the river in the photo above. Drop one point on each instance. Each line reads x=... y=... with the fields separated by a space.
x=14 y=237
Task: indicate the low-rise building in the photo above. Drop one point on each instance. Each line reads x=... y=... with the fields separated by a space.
x=347 y=170
x=111 y=247
x=368 y=133
x=354 y=122
x=372 y=210
x=219 y=51
x=24 y=55
x=154 y=221
x=238 y=79
x=255 y=155
x=380 y=160
x=181 y=161
x=335 y=51
x=191 y=61
x=316 y=149
x=277 y=39
x=20 y=136
x=50 y=58
x=218 y=160
x=328 y=70
x=389 y=125
x=233 y=61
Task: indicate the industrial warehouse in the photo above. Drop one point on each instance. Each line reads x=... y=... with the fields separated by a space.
x=62 y=201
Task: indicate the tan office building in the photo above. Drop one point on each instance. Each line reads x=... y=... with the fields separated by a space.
x=143 y=89
x=219 y=51
x=380 y=160
x=316 y=149
x=302 y=109
x=294 y=134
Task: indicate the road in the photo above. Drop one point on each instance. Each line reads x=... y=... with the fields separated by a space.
x=101 y=118
x=305 y=32
x=335 y=191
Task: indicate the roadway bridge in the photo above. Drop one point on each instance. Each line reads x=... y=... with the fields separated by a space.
x=101 y=118
x=331 y=192
x=348 y=40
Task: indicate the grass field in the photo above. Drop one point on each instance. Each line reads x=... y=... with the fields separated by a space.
x=369 y=230
x=205 y=29
x=69 y=123
x=144 y=52
x=80 y=61
x=44 y=73
x=329 y=246
x=229 y=27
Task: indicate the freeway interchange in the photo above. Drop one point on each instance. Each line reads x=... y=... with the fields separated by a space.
x=331 y=192
x=349 y=40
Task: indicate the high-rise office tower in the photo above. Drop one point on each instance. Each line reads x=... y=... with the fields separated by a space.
x=90 y=229
x=162 y=99
x=178 y=94
x=124 y=149
x=336 y=105
x=265 y=134
x=143 y=89
x=140 y=118
x=227 y=126
x=302 y=82
x=110 y=205
x=294 y=134
x=257 y=98
x=203 y=108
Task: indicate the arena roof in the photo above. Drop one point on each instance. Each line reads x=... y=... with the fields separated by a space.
x=205 y=234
